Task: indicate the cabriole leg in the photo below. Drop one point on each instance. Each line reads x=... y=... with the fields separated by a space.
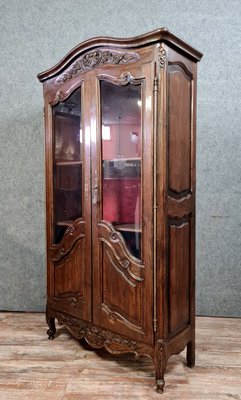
x=160 y=365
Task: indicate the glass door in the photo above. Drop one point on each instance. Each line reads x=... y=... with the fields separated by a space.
x=122 y=206
x=121 y=142
x=68 y=160
x=71 y=218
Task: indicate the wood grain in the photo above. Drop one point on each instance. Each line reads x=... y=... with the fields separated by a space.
x=32 y=367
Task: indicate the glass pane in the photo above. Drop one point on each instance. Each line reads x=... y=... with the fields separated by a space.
x=67 y=163
x=121 y=160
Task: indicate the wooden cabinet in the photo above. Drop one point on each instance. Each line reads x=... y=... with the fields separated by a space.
x=120 y=195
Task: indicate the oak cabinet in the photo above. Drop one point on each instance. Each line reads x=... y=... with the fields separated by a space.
x=120 y=195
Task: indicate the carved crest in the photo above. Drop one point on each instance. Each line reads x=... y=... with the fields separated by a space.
x=94 y=59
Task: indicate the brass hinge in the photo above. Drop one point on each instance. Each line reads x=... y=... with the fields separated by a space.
x=43 y=112
x=155 y=84
x=154 y=324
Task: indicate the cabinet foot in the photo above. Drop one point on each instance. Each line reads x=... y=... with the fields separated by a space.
x=160 y=383
x=191 y=354
x=51 y=332
x=160 y=365
x=51 y=323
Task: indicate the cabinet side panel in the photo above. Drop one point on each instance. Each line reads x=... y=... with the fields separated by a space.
x=179 y=123
x=179 y=266
x=180 y=192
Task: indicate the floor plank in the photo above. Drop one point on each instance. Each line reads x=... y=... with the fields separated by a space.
x=32 y=367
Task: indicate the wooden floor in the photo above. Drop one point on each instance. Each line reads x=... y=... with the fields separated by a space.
x=32 y=367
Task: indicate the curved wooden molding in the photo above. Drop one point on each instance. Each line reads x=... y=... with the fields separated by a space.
x=174 y=194
x=62 y=95
x=182 y=66
x=95 y=59
x=118 y=269
x=178 y=208
x=159 y=35
x=123 y=80
x=115 y=316
x=124 y=260
x=74 y=232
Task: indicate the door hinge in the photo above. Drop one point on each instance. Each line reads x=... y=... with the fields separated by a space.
x=154 y=324
x=155 y=84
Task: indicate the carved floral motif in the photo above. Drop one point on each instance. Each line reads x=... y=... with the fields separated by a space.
x=161 y=56
x=96 y=336
x=94 y=59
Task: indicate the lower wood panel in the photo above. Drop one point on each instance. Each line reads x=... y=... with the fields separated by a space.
x=179 y=279
x=32 y=367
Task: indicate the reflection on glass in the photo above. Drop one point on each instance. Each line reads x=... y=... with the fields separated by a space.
x=121 y=160
x=67 y=163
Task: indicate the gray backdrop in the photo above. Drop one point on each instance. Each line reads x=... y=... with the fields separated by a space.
x=34 y=36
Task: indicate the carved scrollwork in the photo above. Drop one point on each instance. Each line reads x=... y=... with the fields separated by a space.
x=161 y=56
x=73 y=233
x=96 y=336
x=59 y=96
x=114 y=236
x=117 y=268
x=116 y=316
x=125 y=78
x=94 y=59
x=129 y=267
x=125 y=263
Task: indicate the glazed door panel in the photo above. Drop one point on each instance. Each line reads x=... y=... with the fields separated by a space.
x=122 y=202
x=71 y=235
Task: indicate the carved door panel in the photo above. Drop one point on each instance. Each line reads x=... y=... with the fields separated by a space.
x=122 y=200
x=70 y=232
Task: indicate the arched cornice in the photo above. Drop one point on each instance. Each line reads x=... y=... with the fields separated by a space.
x=161 y=34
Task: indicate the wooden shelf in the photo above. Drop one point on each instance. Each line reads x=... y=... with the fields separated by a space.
x=123 y=159
x=121 y=178
x=64 y=223
x=128 y=228
x=68 y=163
x=68 y=190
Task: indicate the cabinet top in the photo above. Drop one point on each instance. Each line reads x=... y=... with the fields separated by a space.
x=159 y=35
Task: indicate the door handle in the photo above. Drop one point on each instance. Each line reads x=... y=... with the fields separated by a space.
x=95 y=190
